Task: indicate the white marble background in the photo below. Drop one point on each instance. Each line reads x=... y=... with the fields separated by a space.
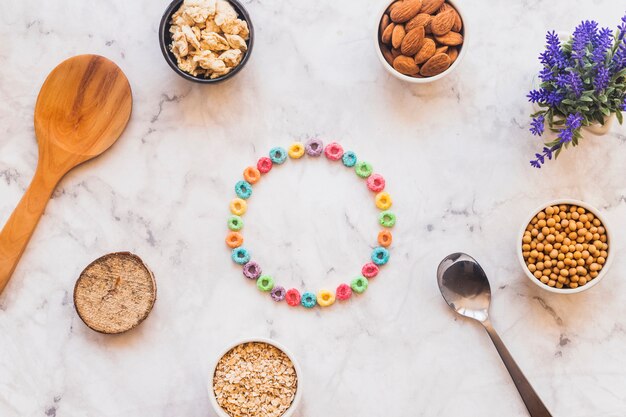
x=455 y=156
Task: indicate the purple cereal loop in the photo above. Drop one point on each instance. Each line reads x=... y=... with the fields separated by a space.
x=252 y=270
x=314 y=147
x=278 y=293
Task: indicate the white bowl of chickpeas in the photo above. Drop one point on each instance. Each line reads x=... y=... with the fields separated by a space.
x=564 y=247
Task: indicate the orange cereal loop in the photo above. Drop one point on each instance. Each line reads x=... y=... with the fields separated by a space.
x=238 y=207
x=251 y=174
x=384 y=238
x=234 y=239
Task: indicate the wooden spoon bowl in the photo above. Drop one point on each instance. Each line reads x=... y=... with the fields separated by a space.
x=82 y=109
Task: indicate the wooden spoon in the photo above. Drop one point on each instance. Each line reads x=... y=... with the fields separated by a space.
x=82 y=109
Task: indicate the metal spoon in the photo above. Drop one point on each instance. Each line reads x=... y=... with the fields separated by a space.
x=465 y=287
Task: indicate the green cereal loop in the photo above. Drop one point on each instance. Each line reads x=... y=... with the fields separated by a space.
x=387 y=218
x=235 y=223
x=265 y=283
x=359 y=285
x=363 y=169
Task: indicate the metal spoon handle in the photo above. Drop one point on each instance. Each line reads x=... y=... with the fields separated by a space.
x=533 y=403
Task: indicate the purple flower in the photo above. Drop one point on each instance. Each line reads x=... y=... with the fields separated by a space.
x=553 y=98
x=541 y=157
x=575 y=83
x=621 y=29
x=537 y=125
x=537 y=96
x=545 y=75
x=602 y=78
x=601 y=44
x=572 y=124
x=624 y=105
x=583 y=35
x=553 y=55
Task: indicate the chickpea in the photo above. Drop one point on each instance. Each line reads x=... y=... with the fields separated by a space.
x=594 y=267
x=560 y=265
x=596 y=222
x=550 y=222
x=548 y=263
x=585 y=254
x=564 y=272
x=550 y=238
x=526 y=247
x=580 y=262
x=560 y=257
x=562 y=215
x=584 y=218
x=567 y=241
x=533 y=245
x=541 y=215
x=541 y=223
x=559 y=285
x=540 y=247
x=593 y=274
x=577 y=255
x=581 y=271
x=548 y=248
x=550 y=211
x=525 y=255
x=540 y=266
x=581 y=232
x=572 y=272
x=527 y=238
x=553 y=253
x=582 y=281
x=561 y=280
x=545 y=231
x=534 y=232
x=604 y=253
x=540 y=237
x=591 y=216
x=559 y=238
x=573 y=285
x=574 y=278
x=544 y=279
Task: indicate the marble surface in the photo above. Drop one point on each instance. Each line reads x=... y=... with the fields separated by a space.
x=455 y=155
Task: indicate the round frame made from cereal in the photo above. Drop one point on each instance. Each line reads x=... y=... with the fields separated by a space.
x=293 y=297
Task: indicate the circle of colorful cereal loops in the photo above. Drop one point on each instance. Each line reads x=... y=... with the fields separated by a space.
x=370 y=270
x=363 y=169
x=376 y=182
x=278 y=155
x=387 y=218
x=252 y=175
x=380 y=256
x=278 y=293
x=234 y=239
x=238 y=206
x=383 y=201
x=325 y=298
x=333 y=151
x=264 y=165
x=344 y=292
x=240 y=255
x=359 y=285
x=265 y=283
x=314 y=147
x=349 y=159
x=293 y=297
x=235 y=223
x=308 y=300
x=252 y=270
x=296 y=150
x=243 y=189
x=385 y=238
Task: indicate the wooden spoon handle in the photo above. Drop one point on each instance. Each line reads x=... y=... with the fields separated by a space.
x=21 y=225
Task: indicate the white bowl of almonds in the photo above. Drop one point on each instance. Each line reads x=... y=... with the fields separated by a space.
x=255 y=378
x=421 y=41
x=565 y=247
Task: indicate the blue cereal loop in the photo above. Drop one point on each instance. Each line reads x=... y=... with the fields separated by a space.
x=240 y=255
x=308 y=300
x=380 y=255
x=243 y=189
x=349 y=159
x=278 y=155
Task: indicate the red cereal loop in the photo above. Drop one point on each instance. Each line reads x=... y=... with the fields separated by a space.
x=333 y=151
x=370 y=270
x=376 y=183
x=264 y=165
x=293 y=297
x=344 y=292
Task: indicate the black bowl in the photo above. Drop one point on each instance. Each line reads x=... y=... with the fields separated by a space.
x=165 y=39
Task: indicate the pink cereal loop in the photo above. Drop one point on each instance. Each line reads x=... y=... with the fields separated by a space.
x=370 y=270
x=333 y=151
x=343 y=292
x=376 y=183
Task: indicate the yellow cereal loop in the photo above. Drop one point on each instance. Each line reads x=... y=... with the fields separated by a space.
x=383 y=200
x=325 y=298
x=238 y=207
x=296 y=150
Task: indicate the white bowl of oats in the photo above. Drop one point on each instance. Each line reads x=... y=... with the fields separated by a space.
x=206 y=41
x=255 y=378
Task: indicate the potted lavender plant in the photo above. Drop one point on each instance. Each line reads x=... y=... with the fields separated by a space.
x=582 y=85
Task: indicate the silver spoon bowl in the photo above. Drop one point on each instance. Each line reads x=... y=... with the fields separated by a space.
x=465 y=287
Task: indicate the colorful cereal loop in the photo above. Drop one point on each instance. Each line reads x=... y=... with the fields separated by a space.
x=387 y=218
x=243 y=189
x=376 y=183
x=380 y=256
x=325 y=298
x=238 y=206
x=383 y=201
x=296 y=150
x=278 y=293
x=265 y=283
x=264 y=165
x=385 y=238
x=252 y=175
x=314 y=147
x=234 y=239
x=370 y=270
x=293 y=297
x=333 y=151
x=308 y=300
x=349 y=159
x=252 y=270
x=278 y=155
x=344 y=292
x=363 y=169
x=359 y=285
x=235 y=223
x=240 y=255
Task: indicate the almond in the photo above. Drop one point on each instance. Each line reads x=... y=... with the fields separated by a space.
x=450 y=39
x=453 y=53
x=386 y=36
x=404 y=11
x=395 y=53
x=458 y=23
x=397 y=36
x=442 y=23
x=406 y=65
x=387 y=54
x=412 y=41
x=421 y=19
x=392 y=5
x=437 y=64
x=427 y=50
x=384 y=22
x=442 y=49
x=431 y=6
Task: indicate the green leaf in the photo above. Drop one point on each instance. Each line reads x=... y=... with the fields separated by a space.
x=586 y=98
x=605 y=112
x=620 y=117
